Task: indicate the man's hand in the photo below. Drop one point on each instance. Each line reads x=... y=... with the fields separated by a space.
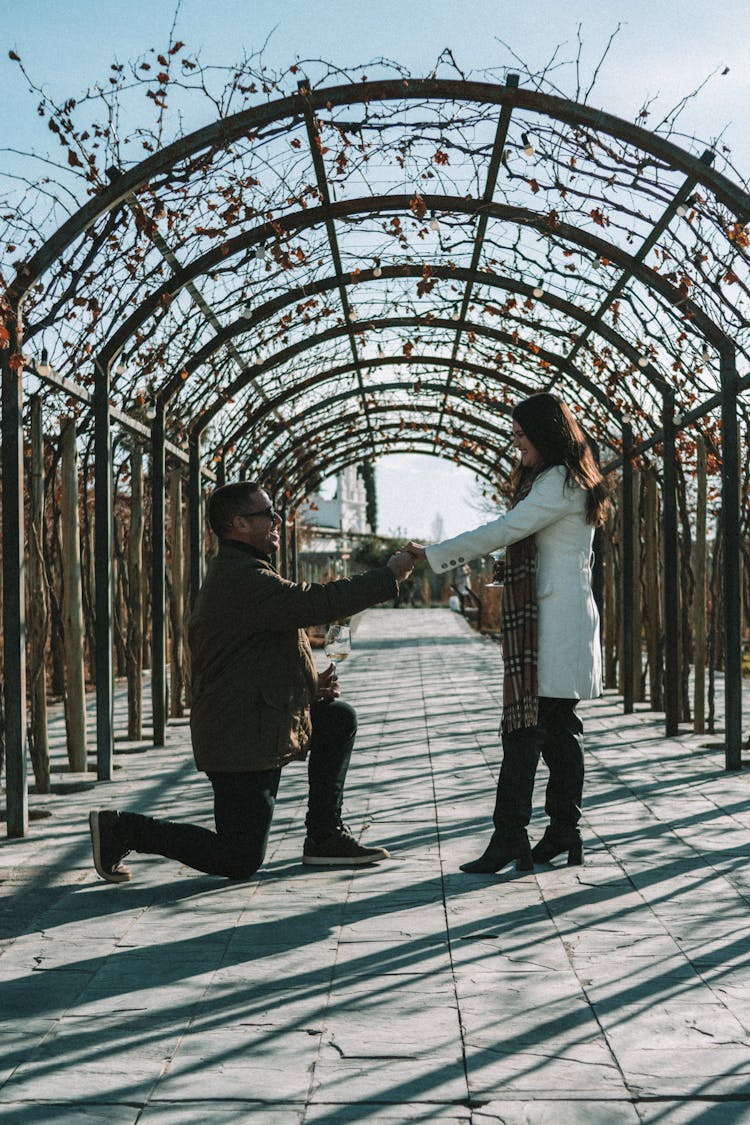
x=401 y=565
x=328 y=684
x=416 y=550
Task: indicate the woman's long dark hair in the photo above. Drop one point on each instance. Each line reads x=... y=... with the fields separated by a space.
x=559 y=440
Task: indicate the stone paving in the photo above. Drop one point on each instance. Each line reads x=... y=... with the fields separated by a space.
x=616 y=993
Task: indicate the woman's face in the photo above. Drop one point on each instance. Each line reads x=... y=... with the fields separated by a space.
x=529 y=454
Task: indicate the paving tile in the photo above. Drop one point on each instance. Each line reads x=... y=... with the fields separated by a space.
x=720 y=1071
x=557 y=1112
x=76 y=1113
x=401 y=1114
x=220 y=1113
x=248 y=1061
x=103 y=1081
x=391 y=1081
x=687 y=1112
x=376 y=1031
x=585 y=1069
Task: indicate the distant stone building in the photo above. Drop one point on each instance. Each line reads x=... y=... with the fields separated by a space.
x=329 y=528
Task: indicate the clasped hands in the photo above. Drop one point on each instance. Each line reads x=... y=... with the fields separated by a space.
x=402 y=562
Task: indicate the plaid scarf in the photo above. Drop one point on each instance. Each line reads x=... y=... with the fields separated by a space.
x=520 y=633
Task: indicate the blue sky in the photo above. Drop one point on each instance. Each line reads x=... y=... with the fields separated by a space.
x=664 y=50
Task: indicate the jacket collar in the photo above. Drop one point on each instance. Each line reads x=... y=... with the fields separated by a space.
x=233 y=549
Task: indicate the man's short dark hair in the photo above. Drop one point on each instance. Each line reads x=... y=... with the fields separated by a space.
x=228 y=501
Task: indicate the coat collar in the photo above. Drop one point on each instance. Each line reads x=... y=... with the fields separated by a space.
x=234 y=549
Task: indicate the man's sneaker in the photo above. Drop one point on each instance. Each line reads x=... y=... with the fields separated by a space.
x=340 y=848
x=107 y=849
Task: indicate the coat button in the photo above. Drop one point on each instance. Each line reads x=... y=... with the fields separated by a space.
x=453 y=562
x=460 y=558
x=445 y=566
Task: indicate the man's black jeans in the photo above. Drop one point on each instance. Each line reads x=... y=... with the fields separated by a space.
x=558 y=738
x=244 y=804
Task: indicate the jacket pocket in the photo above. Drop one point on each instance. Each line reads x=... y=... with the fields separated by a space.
x=544 y=589
x=284 y=722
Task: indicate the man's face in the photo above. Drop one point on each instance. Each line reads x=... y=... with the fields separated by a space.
x=259 y=525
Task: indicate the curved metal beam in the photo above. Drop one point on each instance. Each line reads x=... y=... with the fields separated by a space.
x=294 y=389
x=291 y=448
x=220 y=134
x=326 y=465
x=309 y=217
x=250 y=374
x=506 y=338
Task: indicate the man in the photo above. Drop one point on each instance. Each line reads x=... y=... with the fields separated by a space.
x=257 y=704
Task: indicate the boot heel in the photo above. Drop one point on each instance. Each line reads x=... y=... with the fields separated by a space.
x=575 y=854
x=524 y=862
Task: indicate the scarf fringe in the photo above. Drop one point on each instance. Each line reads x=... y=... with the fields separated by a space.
x=519 y=714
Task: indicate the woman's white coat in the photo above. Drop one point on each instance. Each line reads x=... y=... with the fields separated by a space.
x=569 y=664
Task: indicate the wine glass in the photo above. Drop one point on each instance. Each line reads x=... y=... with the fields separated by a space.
x=498 y=569
x=338 y=643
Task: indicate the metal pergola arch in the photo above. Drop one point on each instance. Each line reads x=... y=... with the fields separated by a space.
x=276 y=472
x=301 y=108
x=596 y=245
x=351 y=453
x=494 y=382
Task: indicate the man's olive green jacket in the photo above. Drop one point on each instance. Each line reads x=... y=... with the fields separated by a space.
x=253 y=676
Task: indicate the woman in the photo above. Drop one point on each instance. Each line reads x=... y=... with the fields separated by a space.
x=551 y=648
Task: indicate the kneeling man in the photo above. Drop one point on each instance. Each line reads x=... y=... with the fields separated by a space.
x=257 y=703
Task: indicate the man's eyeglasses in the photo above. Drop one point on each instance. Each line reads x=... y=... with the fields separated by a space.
x=269 y=513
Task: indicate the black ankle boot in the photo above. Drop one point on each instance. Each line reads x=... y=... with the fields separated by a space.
x=500 y=852
x=555 y=841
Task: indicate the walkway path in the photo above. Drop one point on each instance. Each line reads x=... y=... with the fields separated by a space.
x=614 y=993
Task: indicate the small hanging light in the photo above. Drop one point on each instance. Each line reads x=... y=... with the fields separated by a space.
x=705 y=354
x=120 y=369
x=258 y=359
x=682 y=210
x=455 y=314
x=528 y=148
x=377 y=271
x=381 y=353
x=434 y=224
x=643 y=361
x=352 y=313
x=627 y=419
x=260 y=253
x=677 y=418
x=538 y=290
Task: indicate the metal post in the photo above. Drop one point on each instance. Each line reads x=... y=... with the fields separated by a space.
x=195 y=515
x=626 y=600
x=284 y=553
x=730 y=500
x=293 y=551
x=597 y=574
x=104 y=598
x=14 y=605
x=158 y=584
x=671 y=601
